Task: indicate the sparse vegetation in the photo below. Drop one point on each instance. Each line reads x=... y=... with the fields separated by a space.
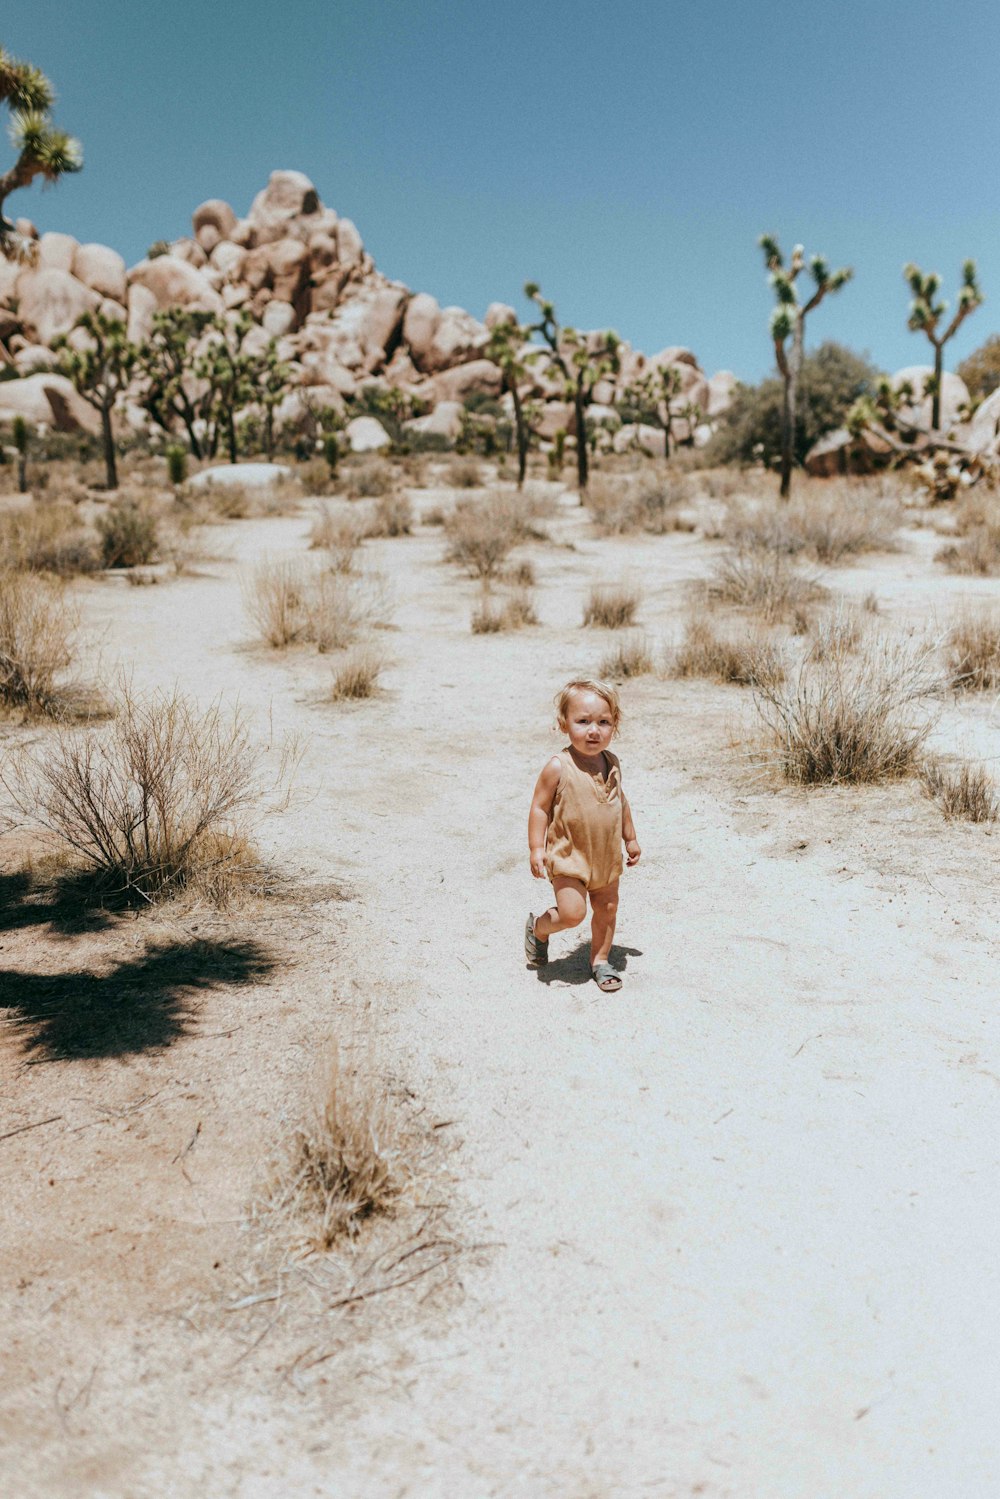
x=648 y=501
x=36 y=635
x=291 y=603
x=392 y=516
x=128 y=534
x=338 y=535
x=631 y=657
x=972 y=651
x=357 y=675
x=744 y=660
x=151 y=803
x=764 y=581
x=491 y=616
x=482 y=534
x=611 y=606
x=851 y=720
x=968 y=792
x=975 y=555
x=836 y=633
x=464 y=473
x=347 y=1162
x=830 y=524
x=370 y=479
x=47 y=538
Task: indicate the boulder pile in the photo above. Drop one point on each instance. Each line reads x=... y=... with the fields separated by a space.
x=303 y=275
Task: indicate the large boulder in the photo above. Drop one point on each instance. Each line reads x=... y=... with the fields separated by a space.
x=555 y=416
x=141 y=306
x=459 y=337
x=250 y=475
x=367 y=435
x=982 y=432
x=498 y=313
x=478 y=377
x=288 y=263
x=48 y=400
x=444 y=421
x=50 y=302
x=102 y=269
x=214 y=214
x=56 y=251
x=721 y=387
x=288 y=196
x=838 y=452
x=420 y=325
x=954 y=393
x=176 y=283
x=365 y=325
x=34 y=357
x=649 y=440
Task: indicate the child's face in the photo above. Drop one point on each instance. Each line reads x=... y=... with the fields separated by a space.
x=589 y=723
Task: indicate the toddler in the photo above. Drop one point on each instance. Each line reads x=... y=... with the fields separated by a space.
x=578 y=820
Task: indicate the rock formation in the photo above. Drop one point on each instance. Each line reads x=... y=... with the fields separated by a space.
x=303 y=274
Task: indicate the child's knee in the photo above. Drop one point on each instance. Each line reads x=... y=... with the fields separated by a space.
x=572 y=907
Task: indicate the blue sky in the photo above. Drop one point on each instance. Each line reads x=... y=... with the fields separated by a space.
x=625 y=156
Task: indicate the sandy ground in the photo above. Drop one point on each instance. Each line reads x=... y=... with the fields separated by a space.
x=740 y=1218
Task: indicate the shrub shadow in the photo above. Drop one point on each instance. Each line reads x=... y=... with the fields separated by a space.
x=574 y=967
x=69 y=905
x=138 y=1006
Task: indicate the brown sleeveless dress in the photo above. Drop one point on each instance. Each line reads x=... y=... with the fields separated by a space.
x=584 y=839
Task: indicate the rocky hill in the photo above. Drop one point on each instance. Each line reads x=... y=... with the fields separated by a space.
x=303 y=274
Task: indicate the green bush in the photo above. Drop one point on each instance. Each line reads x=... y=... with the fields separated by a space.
x=128 y=535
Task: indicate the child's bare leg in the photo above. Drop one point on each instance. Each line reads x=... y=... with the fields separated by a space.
x=569 y=910
x=604 y=903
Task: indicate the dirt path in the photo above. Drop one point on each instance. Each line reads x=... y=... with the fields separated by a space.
x=741 y=1211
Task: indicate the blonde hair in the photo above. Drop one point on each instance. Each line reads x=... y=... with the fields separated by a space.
x=600 y=689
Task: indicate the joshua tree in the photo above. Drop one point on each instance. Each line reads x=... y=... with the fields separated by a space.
x=230 y=372
x=658 y=388
x=100 y=367
x=581 y=361
x=505 y=347
x=166 y=363
x=788 y=321
x=272 y=377
x=926 y=313
x=21 y=435
x=42 y=150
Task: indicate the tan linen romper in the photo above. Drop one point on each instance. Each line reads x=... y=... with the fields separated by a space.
x=584 y=839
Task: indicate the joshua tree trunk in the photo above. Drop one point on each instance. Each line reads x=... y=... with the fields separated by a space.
x=582 y=466
x=522 y=434
x=22 y=473
x=108 y=440
x=938 y=376
x=666 y=430
x=231 y=435
x=269 y=434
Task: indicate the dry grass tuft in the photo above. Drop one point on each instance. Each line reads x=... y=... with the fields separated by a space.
x=977 y=555
x=647 y=501
x=294 y=604
x=47 y=538
x=972 y=650
x=968 y=792
x=357 y=676
x=392 y=516
x=493 y=616
x=836 y=634
x=36 y=640
x=830 y=525
x=765 y=582
x=611 y=606
x=464 y=473
x=851 y=720
x=152 y=803
x=754 y=658
x=632 y=657
x=338 y=535
x=482 y=533
x=371 y=479
x=232 y=501
x=348 y=1162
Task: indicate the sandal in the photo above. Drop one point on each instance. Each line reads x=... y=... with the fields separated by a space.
x=605 y=977
x=535 y=949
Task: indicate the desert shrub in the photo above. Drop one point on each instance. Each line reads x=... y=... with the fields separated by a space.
x=47 y=538
x=968 y=792
x=369 y=480
x=435 y=516
x=482 y=533
x=830 y=525
x=464 y=473
x=177 y=464
x=36 y=635
x=154 y=801
x=976 y=555
x=972 y=651
x=491 y=616
x=346 y=1163
x=291 y=603
x=521 y=574
x=611 y=606
x=128 y=534
x=316 y=477
x=764 y=581
x=835 y=634
x=647 y=501
x=338 y=535
x=743 y=661
x=357 y=675
x=632 y=657
x=392 y=516
x=851 y=719
x=248 y=501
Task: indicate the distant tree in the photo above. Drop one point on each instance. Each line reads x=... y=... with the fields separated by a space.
x=229 y=371
x=926 y=312
x=21 y=434
x=42 y=150
x=652 y=397
x=100 y=365
x=272 y=378
x=981 y=370
x=581 y=360
x=390 y=406
x=788 y=326
x=169 y=388
x=505 y=349
x=833 y=378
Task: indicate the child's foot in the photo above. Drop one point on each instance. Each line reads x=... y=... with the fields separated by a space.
x=535 y=949
x=606 y=978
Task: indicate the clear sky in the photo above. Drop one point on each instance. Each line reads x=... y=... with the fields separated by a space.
x=624 y=155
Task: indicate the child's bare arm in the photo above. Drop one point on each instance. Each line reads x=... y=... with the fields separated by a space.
x=538 y=817
x=632 y=850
